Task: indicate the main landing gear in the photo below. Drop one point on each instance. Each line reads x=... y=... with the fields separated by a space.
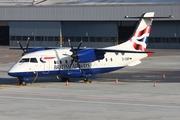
x=87 y=80
x=20 y=81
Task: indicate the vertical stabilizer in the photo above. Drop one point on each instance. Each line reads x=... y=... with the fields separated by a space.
x=139 y=39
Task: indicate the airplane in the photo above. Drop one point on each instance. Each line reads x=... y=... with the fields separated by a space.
x=84 y=62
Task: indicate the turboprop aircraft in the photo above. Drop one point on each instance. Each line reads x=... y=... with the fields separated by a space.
x=84 y=62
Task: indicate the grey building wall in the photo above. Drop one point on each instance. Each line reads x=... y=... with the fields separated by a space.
x=34 y=28
x=37 y=31
x=86 y=13
x=166 y=29
x=93 y=29
x=43 y=23
x=48 y=33
x=165 y=34
x=90 y=32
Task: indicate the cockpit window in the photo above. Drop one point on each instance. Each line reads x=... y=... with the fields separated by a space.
x=24 y=60
x=33 y=60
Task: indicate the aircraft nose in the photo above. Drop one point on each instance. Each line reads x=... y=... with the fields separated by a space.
x=11 y=72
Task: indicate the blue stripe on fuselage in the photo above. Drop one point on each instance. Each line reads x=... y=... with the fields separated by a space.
x=66 y=73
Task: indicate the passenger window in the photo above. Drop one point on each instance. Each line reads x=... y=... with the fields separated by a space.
x=54 y=62
x=106 y=59
x=24 y=60
x=60 y=62
x=33 y=60
x=66 y=61
x=111 y=59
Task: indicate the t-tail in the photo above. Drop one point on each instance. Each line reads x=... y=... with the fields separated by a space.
x=139 y=39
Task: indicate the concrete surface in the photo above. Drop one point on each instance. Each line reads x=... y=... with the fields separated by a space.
x=133 y=98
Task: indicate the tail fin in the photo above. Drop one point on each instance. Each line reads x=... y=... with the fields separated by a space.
x=139 y=40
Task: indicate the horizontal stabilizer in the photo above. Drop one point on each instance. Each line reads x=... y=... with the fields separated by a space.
x=170 y=16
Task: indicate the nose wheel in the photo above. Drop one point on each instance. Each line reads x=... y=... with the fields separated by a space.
x=20 y=81
x=87 y=80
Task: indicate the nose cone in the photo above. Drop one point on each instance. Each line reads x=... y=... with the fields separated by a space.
x=11 y=74
x=12 y=71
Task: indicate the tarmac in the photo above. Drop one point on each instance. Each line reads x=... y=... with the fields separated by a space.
x=133 y=97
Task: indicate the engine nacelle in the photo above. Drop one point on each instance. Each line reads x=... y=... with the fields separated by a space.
x=89 y=55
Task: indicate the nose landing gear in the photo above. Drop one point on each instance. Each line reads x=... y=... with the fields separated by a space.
x=20 y=81
x=87 y=80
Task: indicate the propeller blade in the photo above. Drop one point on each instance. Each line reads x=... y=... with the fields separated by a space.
x=79 y=46
x=75 y=55
x=21 y=46
x=71 y=64
x=79 y=67
x=27 y=44
x=69 y=41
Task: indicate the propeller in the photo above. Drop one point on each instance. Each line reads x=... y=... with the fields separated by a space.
x=27 y=45
x=75 y=55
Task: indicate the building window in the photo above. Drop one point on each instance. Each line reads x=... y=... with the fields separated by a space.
x=18 y=38
x=56 y=39
x=99 y=39
x=72 y=39
x=45 y=38
x=85 y=39
x=163 y=40
x=150 y=40
x=31 y=37
x=39 y=38
x=65 y=39
x=78 y=39
x=178 y=40
x=173 y=40
x=50 y=38
x=105 y=39
x=157 y=40
x=113 y=39
x=167 y=40
x=92 y=39
x=12 y=37
x=24 y=38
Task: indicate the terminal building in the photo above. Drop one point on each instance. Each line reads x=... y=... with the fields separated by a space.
x=99 y=23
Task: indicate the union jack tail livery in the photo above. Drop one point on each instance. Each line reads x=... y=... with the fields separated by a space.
x=139 y=39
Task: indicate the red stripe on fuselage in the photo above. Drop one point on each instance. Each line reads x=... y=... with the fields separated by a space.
x=49 y=58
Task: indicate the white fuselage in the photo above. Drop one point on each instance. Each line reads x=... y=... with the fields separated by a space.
x=54 y=61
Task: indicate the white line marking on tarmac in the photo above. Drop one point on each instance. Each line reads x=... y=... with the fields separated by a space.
x=92 y=102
